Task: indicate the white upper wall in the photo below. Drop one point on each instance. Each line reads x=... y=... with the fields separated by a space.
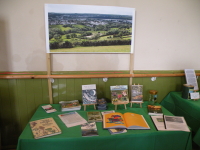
x=167 y=37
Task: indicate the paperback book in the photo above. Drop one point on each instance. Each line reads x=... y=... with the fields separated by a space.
x=117 y=131
x=127 y=120
x=72 y=119
x=89 y=129
x=70 y=105
x=119 y=94
x=94 y=116
x=49 y=109
x=137 y=93
x=170 y=123
x=154 y=110
x=89 y=95
x=44 y=128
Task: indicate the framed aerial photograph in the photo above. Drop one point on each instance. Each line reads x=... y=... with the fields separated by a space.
x=89 y=29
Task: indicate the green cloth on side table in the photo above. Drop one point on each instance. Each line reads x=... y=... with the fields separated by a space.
x=71 y=138
x=190 y=109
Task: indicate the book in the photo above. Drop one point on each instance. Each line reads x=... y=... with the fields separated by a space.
x=44 y=128
x=154 y=110
x=89 y=95
x=137 y=93
x=119 y=94
x=94 y=116
x=107 y=112
x=187 y=89
x=117 y=131
x=49 y=109
x=170 y=123
x=127 y=120
x=89 y=129
x=101 y=104
x=72 y=119
x=70 y=105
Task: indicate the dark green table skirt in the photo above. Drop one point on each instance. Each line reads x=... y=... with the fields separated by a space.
x=190 y=109
x=71 y=138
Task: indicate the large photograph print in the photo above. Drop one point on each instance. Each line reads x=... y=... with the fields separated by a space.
x=89 y=29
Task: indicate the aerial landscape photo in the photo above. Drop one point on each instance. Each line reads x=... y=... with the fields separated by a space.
x=89 y=31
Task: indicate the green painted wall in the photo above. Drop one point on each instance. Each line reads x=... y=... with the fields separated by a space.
x=19 y=98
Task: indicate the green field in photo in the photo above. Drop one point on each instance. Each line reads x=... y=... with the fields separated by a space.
x=95 y=49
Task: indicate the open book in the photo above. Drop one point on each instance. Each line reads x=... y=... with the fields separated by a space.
x=170 y=123
x=127 y=120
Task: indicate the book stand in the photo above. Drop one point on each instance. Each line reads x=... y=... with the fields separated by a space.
x=120 y=104
x=136 y=103
x=89 y=104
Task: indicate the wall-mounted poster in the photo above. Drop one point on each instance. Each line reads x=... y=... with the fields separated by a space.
x=89 y=29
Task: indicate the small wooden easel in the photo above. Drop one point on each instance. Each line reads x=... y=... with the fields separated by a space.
x=124 y=103
x=136 y=102
x=89 y=104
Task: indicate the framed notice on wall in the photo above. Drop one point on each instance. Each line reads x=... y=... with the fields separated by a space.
x=89 y=29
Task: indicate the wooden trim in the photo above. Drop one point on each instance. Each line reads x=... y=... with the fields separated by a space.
x=91 y=76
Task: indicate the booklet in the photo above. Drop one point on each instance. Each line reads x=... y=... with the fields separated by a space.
x=44 y=127
x=72 y=119
x=89 y=129
x=127 y=120
x=117 y=131
x=94 y=116
x=49 y=108
x=154 y=110
x=107 y=112
x=170 y=123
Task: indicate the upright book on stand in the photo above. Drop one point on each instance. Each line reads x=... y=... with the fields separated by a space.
x=89 y=95
x=127 y=120
x=119 y=94
x=136 y=93
x=44 y=128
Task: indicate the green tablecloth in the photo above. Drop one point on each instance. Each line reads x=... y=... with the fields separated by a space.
x=71 y=138
x=190 y=109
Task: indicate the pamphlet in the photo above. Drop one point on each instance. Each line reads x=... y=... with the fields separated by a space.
x=49 y=108
x=72 y=119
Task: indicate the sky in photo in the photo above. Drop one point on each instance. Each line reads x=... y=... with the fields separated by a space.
x=65 y=8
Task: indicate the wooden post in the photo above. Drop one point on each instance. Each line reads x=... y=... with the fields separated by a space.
x=48 y=58
x=131 y=72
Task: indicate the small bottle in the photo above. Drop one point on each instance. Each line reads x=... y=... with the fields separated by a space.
x=152 y=97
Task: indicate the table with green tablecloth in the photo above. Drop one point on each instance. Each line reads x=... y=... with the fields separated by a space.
x=190 y=109
x=71 y=138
